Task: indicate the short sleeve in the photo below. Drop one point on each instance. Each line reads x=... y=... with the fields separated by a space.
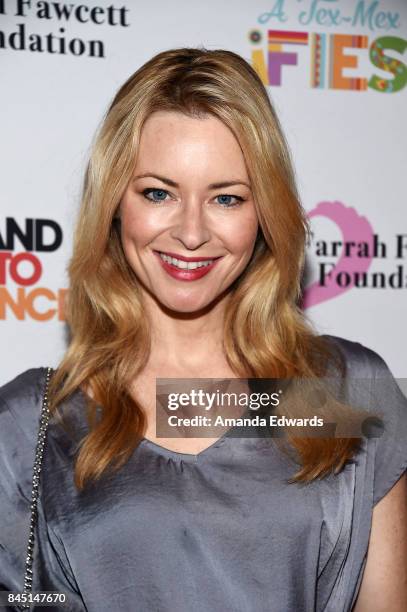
x=20 y=405
x=388 y=400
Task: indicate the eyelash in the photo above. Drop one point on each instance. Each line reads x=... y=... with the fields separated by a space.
x=235 y=205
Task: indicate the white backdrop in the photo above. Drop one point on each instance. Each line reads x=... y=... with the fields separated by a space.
x=348 y=144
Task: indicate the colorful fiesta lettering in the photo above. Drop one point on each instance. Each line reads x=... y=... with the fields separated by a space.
x=328 y=60
x=330 y=13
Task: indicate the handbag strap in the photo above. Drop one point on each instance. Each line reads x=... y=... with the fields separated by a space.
x=39 y=451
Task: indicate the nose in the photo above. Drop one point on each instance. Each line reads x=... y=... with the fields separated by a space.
x=191 y=225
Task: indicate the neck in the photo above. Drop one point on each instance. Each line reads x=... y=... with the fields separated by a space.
x=184 y=337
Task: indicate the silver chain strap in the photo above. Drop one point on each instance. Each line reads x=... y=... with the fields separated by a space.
x=39 y=451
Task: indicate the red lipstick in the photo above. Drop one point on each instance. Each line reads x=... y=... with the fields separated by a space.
x=186 y=275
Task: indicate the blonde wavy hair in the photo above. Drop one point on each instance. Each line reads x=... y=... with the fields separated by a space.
x=266 y=335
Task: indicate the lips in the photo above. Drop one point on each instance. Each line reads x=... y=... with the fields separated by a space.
x=185 y=274
x=184 y=258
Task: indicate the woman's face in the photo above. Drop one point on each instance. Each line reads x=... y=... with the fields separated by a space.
x=189 y=198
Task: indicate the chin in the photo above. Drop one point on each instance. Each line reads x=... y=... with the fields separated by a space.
x=185 y=305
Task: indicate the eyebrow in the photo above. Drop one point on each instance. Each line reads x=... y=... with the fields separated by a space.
x=171 y=183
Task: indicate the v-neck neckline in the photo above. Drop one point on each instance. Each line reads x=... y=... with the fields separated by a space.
x=167 y=452
x=191 y=457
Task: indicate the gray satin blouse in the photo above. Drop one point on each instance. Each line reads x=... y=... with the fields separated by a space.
x=220 y=531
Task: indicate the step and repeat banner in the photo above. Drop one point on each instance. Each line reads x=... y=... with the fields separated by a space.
x=336 y=72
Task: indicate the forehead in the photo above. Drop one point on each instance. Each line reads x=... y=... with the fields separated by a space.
x=180 y=125
x=182 y=141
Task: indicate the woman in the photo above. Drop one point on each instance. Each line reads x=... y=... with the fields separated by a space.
x=190 y=163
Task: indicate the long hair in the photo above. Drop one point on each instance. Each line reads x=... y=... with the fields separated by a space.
x=266 y=335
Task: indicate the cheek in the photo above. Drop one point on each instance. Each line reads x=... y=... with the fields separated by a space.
x=138 y=226
x=241 y=234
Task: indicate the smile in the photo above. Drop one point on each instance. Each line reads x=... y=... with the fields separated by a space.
x=186 y=269
x=185 y=265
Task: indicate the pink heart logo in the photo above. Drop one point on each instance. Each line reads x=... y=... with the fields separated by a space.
x=354 y=228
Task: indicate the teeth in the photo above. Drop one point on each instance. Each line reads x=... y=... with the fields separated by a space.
x=185 y=265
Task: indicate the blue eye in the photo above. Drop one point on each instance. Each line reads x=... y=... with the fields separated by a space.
x=228 y=204
x=162 y=193
x=159 y=191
